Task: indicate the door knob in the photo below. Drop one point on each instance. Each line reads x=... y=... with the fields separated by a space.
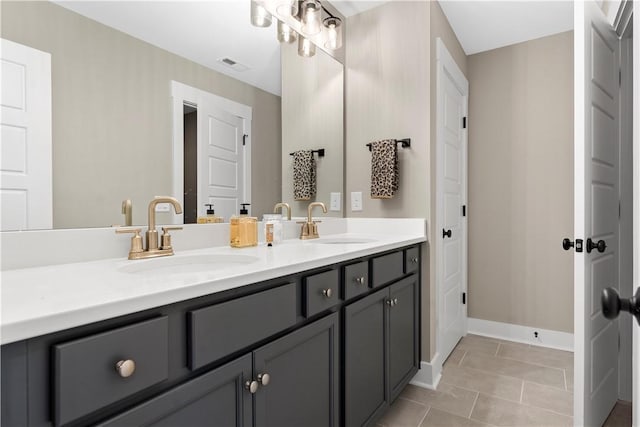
x=252 y=386
x=568 y=244
x=600 y=245
x=446 y=233
x=264 y=379
x=612 y=304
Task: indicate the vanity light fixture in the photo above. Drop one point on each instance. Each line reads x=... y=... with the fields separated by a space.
x=305 y=47
x=311 y=17
x=259 y=15
x=285 y=33
x=334 y=32
x=302 y=20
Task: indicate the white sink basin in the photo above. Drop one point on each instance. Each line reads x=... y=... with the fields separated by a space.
x=186 y=264
x=342 y=240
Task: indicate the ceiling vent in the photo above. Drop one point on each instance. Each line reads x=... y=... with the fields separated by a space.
x=234 y=65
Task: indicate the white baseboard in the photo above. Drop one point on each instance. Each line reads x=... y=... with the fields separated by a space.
x=429 y=374
x=523 y=334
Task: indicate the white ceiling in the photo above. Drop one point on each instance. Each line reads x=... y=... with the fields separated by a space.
x=485 y=25
x=207 y=31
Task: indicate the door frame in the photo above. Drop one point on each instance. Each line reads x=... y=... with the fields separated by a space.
x=183 y=94
x=636 y=209
x=446 y=64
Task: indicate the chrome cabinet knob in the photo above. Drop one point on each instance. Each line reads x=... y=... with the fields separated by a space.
x=125 y=368
x=327 y=292
x=414 y=260
x=392 y=302
x=264 y=379
x=252 y=386
x=395 y=301
x=389 y=302
x=359 y=280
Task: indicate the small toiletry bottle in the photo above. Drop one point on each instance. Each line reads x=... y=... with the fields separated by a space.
x=211 y=217
x=272 y=228
x=243 y=229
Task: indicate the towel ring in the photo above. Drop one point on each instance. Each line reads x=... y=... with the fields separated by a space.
x=406 y=143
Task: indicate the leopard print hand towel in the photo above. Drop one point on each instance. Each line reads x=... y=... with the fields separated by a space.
x=384 y=169
x=304 y=175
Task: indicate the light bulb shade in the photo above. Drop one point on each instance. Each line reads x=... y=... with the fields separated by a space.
x=285 y=33
x=287 y=8
x=334 y=33
x=259 y=15
x=311 y=17
x=305 y=47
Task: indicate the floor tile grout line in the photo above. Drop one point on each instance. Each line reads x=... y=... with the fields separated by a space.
x=475 y=391
x=522 y=392
x=527 y=362
x=425 y=416
x=497 y=350
x=564 y=374
x=474 y=404
x=462 y=358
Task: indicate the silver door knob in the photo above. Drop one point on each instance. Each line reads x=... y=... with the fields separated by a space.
x=264 y=379
x=359 y=280
x=327 y=292
x=252 y=386
x=125 y=368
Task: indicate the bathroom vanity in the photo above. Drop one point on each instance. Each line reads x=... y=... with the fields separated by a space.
x=320 y=333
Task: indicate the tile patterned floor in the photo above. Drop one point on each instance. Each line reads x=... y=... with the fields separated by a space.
x=491 y=382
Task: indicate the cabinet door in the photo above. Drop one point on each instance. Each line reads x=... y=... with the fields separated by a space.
x=217 y=398
x=365 y=324
x=303 y=369
x=404 y=323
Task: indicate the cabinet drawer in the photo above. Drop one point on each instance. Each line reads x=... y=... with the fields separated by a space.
x=411 y=260
x=221 y=329
x=356 y=279
x=321 y=291
x=85 y=375
x=387 y=268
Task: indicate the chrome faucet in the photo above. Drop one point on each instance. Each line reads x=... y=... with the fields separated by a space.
x=153 y=249
x=309 y=228
x=282 y=205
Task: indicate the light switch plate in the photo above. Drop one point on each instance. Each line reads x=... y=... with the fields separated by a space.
x=335 y=202
x=356 y=201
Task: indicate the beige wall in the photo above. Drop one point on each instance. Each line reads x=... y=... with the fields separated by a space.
x=521 y=183
x=440 y=28
x=312 y=118
x=112 y=115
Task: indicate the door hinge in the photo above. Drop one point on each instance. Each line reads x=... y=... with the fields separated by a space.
x=464 y=123
x=244 y=139
x=464 y=210
x=464 y=297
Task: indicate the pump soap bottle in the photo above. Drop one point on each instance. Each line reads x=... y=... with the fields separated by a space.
x=211 y=217
x=243 y=229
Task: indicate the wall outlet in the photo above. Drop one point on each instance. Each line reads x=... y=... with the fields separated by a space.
x=162 y=207
x=335 y=202
x=356 y=201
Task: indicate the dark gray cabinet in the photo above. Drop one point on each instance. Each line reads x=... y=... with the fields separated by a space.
x=332 y=346
x=218 y=397
x=304 y=382
x=381 y=336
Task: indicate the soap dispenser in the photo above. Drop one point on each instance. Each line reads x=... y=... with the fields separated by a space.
x=243 y=229
x=211 y=217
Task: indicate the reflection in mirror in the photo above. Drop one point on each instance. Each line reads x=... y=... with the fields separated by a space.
x=111 y=97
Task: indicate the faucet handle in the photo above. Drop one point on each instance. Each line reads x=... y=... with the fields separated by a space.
x=166 y=237
x=136 y=240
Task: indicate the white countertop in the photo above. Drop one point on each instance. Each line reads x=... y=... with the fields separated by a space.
x=41 y=300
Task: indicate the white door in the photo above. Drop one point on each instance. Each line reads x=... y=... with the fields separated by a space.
x=596 y=193
x=224 y=150
x=220 y=160
x=25 y=139
x=451 y=235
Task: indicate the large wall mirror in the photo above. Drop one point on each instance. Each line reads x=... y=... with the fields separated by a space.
x=111 y=88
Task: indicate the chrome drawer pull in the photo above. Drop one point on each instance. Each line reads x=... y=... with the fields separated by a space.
x=264 y=379
x=327 y=292
x=125 y=368
x=359 y=280
x=252 y=386
x=414 y=260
